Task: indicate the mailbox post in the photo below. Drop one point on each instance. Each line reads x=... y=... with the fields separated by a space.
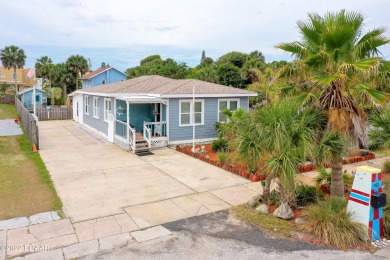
x=366 y=200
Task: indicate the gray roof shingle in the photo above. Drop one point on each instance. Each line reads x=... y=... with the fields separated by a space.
x=165 y=86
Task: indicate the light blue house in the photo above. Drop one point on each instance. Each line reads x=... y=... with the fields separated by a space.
x=153 y=111
x=27 y=97
x=102 y=76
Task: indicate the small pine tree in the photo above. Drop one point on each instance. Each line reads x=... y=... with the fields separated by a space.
x=203 y=57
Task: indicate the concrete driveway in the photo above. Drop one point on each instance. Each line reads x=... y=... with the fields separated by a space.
x=95 y=179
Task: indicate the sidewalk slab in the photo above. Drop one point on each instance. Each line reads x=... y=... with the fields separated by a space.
x=235 y=195
x=52 y=229
x=41 y=218
x=97 y=228
x=150 y=233
x=383 y=252
x=116 y=241
x=17 y=239
x=3 y=243
x=81 y=249
x=190 y=206
x=126 y=223
x=14 y=223
x=156 y=213
x=256 y=186
x=58 y=242
x=46 y=255
x=211 y=202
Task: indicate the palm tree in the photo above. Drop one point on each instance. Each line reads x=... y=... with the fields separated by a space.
x=12 y=57
x=380 y=132
x=78 y=66
x=276 y=139
x=340 y=64
x=62 y=77
x=42 y=66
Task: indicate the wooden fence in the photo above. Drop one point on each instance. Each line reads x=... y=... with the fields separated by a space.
x=7 y=99
x=54 y=113
x=30 y=123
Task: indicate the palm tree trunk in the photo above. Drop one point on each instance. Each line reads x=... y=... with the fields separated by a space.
x=337 y=185
x=64 y=89
x=267 y=185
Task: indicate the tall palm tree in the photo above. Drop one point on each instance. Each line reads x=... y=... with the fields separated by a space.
x=276 y=139
x=339 y=62
x=62 y=77
x=12 y=57
x=78 y=66
x=41 y=63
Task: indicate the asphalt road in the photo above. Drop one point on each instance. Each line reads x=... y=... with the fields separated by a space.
x=219 y=236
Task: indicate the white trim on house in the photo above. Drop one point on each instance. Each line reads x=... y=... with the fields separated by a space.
x=106 y=111
x=86 y=105
x=167 y=118
x=192 y=112
x=123 y=95
x=95 y=107
x=204 y=140
x=228 y=104
x=227 y=95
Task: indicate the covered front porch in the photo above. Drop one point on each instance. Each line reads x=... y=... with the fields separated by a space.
x=140 y=123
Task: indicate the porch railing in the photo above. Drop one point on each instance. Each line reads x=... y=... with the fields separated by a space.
x=156 y=129
x=155 y=133
x=124 y=131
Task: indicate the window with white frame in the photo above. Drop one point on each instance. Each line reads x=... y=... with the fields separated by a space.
x=107 y=108
x=223 y=104
x=86 y=104
x=13 y=76
x=191 y=113
x=2 y=75
x=96 y=107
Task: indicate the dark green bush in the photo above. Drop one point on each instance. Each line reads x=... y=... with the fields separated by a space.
x=219 y=145
x=306 y=195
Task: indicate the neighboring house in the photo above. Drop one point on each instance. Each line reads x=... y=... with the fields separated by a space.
x=154 y=111
x=26 y=96
x=7 y=76
x=102 y=76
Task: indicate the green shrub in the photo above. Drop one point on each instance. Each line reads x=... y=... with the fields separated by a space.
x=324 y=177
x=306 y=195
x=331 y=222
x=219 y=145
x=386 y=167
x=223 y=157
x=274 y=198
x=386 y=209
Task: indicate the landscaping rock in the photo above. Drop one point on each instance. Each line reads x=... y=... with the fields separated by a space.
x=263 y=208
x=299 y=221
x=284 y=212
x=254 y=201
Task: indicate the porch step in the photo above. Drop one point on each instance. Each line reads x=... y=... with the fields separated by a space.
x=141 y=146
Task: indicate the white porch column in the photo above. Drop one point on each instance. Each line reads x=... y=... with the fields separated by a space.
x=127 y=119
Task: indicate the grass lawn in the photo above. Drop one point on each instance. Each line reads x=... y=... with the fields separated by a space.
x=7 y=111
x=266 y=221
x=25 y=184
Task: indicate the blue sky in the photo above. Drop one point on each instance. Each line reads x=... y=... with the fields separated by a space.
x=121 y=32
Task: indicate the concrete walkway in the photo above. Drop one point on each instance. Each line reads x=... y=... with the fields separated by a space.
x=8 y=127
x=97 y=179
